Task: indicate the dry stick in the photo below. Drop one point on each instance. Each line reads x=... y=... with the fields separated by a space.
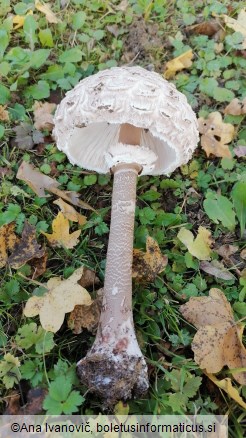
x=115 y=367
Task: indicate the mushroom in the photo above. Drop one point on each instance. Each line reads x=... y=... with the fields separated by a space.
x=131 y=122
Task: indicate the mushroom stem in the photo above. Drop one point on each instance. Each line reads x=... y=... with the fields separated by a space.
x=114 y=367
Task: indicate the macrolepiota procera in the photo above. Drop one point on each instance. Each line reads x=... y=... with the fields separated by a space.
x=130 y=122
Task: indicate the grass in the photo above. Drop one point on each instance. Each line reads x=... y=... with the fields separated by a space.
x=89 y=38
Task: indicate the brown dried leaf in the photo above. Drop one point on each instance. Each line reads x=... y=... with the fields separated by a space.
x=43 y=118
x=8 y=240
x=216 y=269
x=86 y=316
x=240 y=151
x=60 y=236
x=88 y=278
x=26 y=248
x=38 y=266
x=227 y=250
x=147 y=265
x=40 y=182
x=208 y=28
x=177 y=64
x=218 y=341
x=215 y=135
x=34 y=405
x=235 y=107
x=4 y=115
x=70 y=212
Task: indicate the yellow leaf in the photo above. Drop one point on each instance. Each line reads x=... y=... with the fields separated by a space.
x=18 y=20
x=218 y=341
x=199 y=247
x=61 y=297
x=236 y=108
x=70 y=212
x=177 y=64
x=45 y=9
x=7 y=242
x=4 y=115
x=238 y=25
x=226 y=385
x=215 y=135
x=60 y=236
x=147 y=265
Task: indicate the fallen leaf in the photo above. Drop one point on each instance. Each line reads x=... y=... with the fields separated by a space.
x=208 y=28
x=4 y=115
x=18 y=20
x=46 y=9
x=227 y=250
x=60 y=236
x=43 y=118
x=226 y=385
x=61 y=298
x=243 y=254
x=235 y=107
x=147 y=265
x=218 y=341
x=38 y=266
x=26 y=137
x=86 y=316
x=238 y=25
x=240 y=151
x=7 y=242
x=199 y=247
x=89 y=279
x=215 y=135
x=177 y=64
x=70 y=213
x=26 y=248
x=40 y=182
x=216 y=269
x=5 y=171
x=34 y=405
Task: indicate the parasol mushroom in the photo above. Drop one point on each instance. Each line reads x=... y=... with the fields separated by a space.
x=131 y=122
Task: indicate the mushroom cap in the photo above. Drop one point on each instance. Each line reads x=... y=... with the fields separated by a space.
x=88 y=119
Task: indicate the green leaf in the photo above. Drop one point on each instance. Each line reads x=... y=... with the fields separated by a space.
x=150 y=195
x=73 y=401
x=45 y=37
x=98 y=34
x=89 y=180
x=239 y=201
x=71 y=55
x=220 y=209
x=10 y=214
x=9 y=370
x=78 y=20
x=30 y=26
x=41 y=90
x=39 y=57
x=61 y=398
x=53 y=73
x=2 y=131
x=30 y=335
x=60 y=389
x=223 y=95
x=191 y=386
x=4 y=94
x=4 y=41
x=208 y=85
